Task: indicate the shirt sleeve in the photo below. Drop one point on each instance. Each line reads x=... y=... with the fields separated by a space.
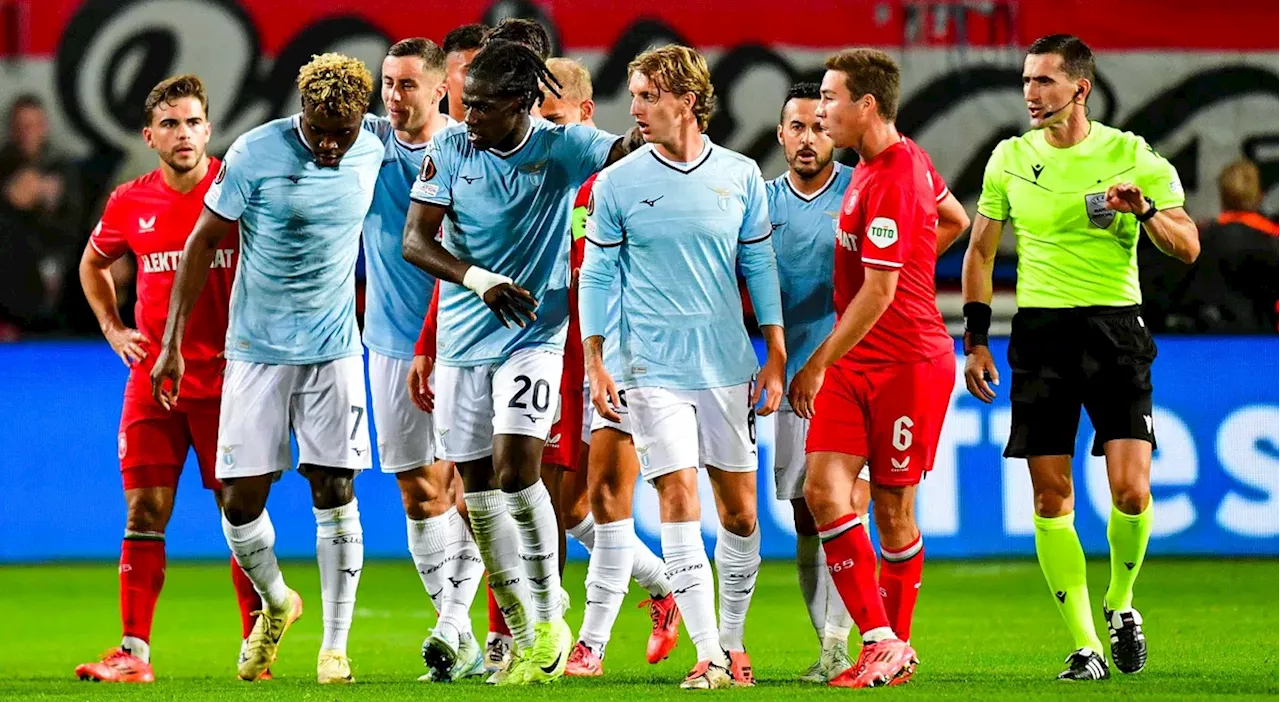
x=588 y=150
x=1158 y=178
x=378 y=126
x=940 y=190
x=233 y=186
x=434 y=184
x=890 y=216
x=600 y=262
x=756 y=257
x=993 y=203
x=108 y=238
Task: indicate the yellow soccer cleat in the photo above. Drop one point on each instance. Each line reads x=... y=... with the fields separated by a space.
x=264 y=640
x=334 y=668
x=547 y=659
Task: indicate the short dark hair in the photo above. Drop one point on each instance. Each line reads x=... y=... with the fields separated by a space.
x=468 y=37
x=870 y=72
x=800 y=91
x=523 y=31
x=1077 y=58
x=514 y=70
x=432 y=56
x=170 y=90
x=24 y=101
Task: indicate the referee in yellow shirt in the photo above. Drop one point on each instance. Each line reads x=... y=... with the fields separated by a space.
x=1078 y=195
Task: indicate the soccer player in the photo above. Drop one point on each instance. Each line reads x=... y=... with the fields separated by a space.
x=440 y=542
x=1078 y=194
x=461 y=45
x=804 y=205
x=676 y=220
x=300 y=188
x=877 y=388
x=503 y=186
x=575 y=105
x=151 y=217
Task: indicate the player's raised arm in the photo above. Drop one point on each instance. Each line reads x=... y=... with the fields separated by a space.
x=105 y=247
x=759 y=264
x=599 y=268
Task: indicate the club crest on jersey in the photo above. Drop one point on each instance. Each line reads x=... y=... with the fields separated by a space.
x=851 y=201
x=222 y=174
x=591 y=203
x=534 y=171
x=724 y=195
x=1096 y=205
x=428 y=170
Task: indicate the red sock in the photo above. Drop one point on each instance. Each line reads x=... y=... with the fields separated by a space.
x=900 y=584
x=497 y=623
x=851 y=560
x=246 y=596
x=141 y=578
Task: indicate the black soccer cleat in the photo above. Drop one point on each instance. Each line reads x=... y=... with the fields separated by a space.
x=1085 y=664
x=1128 y=643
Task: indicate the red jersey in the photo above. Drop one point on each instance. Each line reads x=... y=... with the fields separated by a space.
x=153 y=221
x=889 y=221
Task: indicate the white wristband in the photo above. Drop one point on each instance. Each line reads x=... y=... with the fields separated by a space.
x=480 y=281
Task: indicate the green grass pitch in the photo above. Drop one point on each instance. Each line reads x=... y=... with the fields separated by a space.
x=984 y=631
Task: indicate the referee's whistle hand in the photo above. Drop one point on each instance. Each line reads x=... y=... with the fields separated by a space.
x=980 y=374
x=1127 y=198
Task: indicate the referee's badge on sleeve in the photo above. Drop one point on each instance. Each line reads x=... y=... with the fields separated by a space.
x=1099 y=215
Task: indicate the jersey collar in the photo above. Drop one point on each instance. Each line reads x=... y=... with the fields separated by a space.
x=817 y=193
x=508 y=154
x=690 y=166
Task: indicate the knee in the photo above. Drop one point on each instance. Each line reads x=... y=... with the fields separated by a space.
x=822 y=505
x=895 y=522
x=147 y=512
x=1054 y=499
x=240 y=512
x=740 y=521
x=511 y=481
x=1131 y=498
x=331 y=488
x=679 y=503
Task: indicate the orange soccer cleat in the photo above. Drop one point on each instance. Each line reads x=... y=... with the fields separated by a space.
x=666 y=627
x=117 y=665
x=584 y=663
x=740 y=669
x=879 y=663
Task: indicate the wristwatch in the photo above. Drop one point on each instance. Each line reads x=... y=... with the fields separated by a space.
x=1146 y=216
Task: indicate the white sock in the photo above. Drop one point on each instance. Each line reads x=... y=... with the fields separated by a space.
x=499 y=542
x=737 y=565
x=340 y=552
x=839 y=622
x=608 y=575
x=463 y=570
x=137 y=647
x=254 y=546
x=812 y=569
x=539 y=548
x=584 y=531
x=648 y=570
x=427 y=544
x=689 y=572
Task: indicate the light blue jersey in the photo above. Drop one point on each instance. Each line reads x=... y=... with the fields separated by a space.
x=676 y=234
x=294 y=298
x=397 y=293
x=804 y=239
x=509 y=213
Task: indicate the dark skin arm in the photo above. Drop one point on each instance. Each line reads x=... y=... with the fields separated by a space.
x=625 y=144
x=193 y=271
x=510 y=302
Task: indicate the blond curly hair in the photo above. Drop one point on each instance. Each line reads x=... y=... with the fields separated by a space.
x=336 y=85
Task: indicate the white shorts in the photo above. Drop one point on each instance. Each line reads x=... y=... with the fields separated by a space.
x=322 y=403
x=405 y=436
x=520 y=395
x=789 y=434
x=676 y=429
x=593 y=420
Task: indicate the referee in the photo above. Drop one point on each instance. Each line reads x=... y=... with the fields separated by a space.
x=1077 y=193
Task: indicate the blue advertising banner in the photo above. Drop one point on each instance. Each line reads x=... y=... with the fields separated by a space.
x=1214 y=477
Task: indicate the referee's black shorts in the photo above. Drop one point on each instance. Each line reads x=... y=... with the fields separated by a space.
x=1098 y=357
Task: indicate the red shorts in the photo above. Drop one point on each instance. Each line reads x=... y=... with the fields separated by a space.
x=153 y=442
x=891 y=415
x=564 y=443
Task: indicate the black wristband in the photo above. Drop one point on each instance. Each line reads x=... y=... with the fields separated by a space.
x=977 y=325
x=1146 y=216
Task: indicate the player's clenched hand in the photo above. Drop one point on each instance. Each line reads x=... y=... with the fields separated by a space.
x=129 y=344
x=1126 y=197
x=512 y=304
x=419 y=383
x=978 y=368
x=770 y=381
x=169 y=367
x=604 y=393
x=804 y=389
